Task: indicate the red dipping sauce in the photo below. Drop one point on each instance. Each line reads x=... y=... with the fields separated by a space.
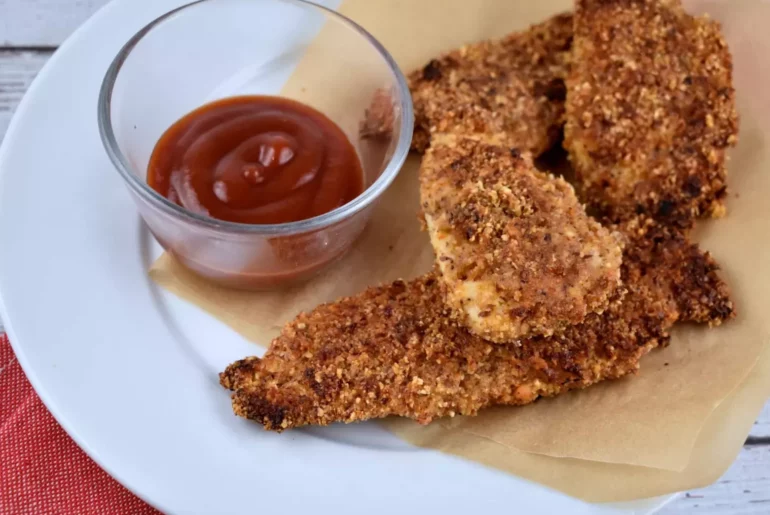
x=256 y=160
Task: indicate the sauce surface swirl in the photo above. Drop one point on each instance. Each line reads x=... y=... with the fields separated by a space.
x=256 y=160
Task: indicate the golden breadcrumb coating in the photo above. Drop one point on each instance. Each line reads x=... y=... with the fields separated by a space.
x=650 y=110
x=650 y=113
x=516 y=251
x=661 y=259
x=513 y=86
x=393 y=350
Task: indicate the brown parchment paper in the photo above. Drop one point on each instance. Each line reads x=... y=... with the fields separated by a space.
x=632 y=438
x=716 y=447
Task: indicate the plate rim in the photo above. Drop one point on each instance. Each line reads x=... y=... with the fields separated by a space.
x=7 y=323
x=9 y=327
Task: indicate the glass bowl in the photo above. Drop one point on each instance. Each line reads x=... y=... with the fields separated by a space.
x=213 y=49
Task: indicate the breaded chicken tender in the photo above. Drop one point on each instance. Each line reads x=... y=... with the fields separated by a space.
x=513 y=86
x=650 y=110
x=517 y=253
x=393 y=350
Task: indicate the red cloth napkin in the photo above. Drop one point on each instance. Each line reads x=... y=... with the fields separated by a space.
x=42 y=471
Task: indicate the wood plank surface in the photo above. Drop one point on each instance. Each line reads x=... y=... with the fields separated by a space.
x=761 y=431
x=17 y=69
x=43 y=23
x=31 y=29
x=744 y=489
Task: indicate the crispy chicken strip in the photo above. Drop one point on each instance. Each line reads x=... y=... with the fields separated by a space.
x=516 y=251
x=514 y=86
x=650 y=110
x=393 y=350
x=662 y=261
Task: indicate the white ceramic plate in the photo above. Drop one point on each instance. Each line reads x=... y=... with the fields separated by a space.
x=130 y=372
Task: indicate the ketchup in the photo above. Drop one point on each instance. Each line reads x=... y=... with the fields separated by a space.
x=256 y=160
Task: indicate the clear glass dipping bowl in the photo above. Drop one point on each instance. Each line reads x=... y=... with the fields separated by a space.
x=213 y=49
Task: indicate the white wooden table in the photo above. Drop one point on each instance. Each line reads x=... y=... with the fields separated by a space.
x=30 y=31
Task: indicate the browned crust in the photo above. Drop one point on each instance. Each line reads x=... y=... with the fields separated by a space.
x=393 y=350
x=379 y=117
x=396 y=349
x=665 y=260
x=516 y=251
x=513 y=86
x=650 y=110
